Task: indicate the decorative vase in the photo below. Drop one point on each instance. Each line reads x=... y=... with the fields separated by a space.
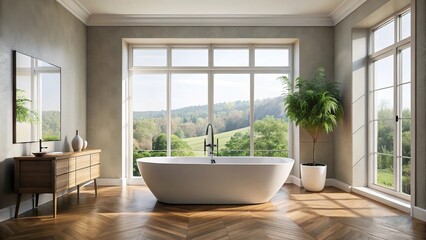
x=77 y=142
x=84 y=144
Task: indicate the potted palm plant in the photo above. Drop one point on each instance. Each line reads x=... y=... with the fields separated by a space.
x=316 y=106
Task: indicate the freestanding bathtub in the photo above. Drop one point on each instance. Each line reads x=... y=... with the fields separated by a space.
x=231 y=180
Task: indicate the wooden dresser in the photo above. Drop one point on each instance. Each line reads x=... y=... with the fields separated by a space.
x=55 y=173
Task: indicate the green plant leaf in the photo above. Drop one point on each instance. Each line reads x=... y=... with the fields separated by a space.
x=315 y=105
x=23 y=113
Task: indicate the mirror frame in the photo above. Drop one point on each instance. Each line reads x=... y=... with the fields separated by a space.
x=14 y=95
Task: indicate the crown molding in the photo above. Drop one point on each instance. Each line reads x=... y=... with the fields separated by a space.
x=77 y=9
x=207 y=20
x=344 y=9
x=82 y=13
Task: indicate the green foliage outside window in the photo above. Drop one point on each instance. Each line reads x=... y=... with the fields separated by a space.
x=159 y=149
x=270 y=139
x=385 y=145
x=51 y=126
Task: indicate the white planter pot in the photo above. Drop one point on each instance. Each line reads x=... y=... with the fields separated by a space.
x=313 y=177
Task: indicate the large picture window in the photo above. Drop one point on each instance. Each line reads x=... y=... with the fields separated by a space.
x=178 y=89
x=390 y=106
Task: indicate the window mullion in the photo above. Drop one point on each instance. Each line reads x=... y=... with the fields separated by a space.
x=210 y=87
x=251 y=114
x=169 y=104
x=397 y=137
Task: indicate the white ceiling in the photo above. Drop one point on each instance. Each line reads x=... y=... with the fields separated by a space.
x=211 y=12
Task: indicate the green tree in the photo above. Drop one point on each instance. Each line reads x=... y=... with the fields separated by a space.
x=385 y=146
x=160 y=143
x=180 y=148
x=159 y=149
x=270 y=139
x=51 y=125
x=238 y=145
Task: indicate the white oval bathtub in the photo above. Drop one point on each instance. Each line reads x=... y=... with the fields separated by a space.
x=231 y=180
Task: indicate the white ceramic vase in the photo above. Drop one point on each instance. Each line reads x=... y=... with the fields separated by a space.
x=77 y=142
x=84 y=144
x=313 y=177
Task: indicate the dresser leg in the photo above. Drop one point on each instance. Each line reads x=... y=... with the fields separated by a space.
x=18 y=202
x=96 y=187
x=78 y=191
x=36 y=199
x=55 y=205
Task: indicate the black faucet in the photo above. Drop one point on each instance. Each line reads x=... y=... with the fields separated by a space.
x=40 y=146
x=211 y=145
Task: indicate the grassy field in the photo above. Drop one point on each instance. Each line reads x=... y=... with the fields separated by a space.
x=196 y=143
x=385 y=178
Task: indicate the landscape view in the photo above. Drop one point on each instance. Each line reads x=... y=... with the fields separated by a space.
x=232 y=130
x=51 y=125
x=385 y=148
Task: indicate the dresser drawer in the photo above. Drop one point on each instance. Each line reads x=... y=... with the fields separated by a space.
x=95 y=171
x=95 y=158
x=71 y=179
x=82 y=161
x=62 y=182
x=61 y=166
x=71 y=164
x=82 y=175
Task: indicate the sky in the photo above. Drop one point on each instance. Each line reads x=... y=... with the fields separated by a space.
x=150 y=90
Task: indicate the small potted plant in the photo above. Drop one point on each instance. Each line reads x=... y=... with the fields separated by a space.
x=316 y=106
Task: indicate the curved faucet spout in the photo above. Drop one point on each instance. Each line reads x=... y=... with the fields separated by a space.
x=211 y=145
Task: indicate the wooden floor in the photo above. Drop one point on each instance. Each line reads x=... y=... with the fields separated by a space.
x=133 y=213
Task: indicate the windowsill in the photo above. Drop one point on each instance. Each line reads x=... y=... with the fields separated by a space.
x=384 y=198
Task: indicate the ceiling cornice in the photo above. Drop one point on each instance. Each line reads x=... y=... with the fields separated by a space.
x=207 y=20
x=77 y=9
x=344 y=9
x=82 y=13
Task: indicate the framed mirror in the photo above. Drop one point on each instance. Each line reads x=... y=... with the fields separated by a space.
x=36 y=100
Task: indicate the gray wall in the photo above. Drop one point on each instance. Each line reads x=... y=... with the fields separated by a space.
x=104 y=58
x=346 y=158
x=46 y=30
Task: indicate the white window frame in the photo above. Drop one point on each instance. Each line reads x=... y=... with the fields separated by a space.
x=210 y=70
x=392 y=50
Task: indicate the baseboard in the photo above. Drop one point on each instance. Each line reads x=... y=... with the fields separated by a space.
x=111 y=182
x=329 y=182
x=419 y=213
x=294 y=180
x=338 y=184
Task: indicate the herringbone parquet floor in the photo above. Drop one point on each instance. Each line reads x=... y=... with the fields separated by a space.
x=133 y=213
